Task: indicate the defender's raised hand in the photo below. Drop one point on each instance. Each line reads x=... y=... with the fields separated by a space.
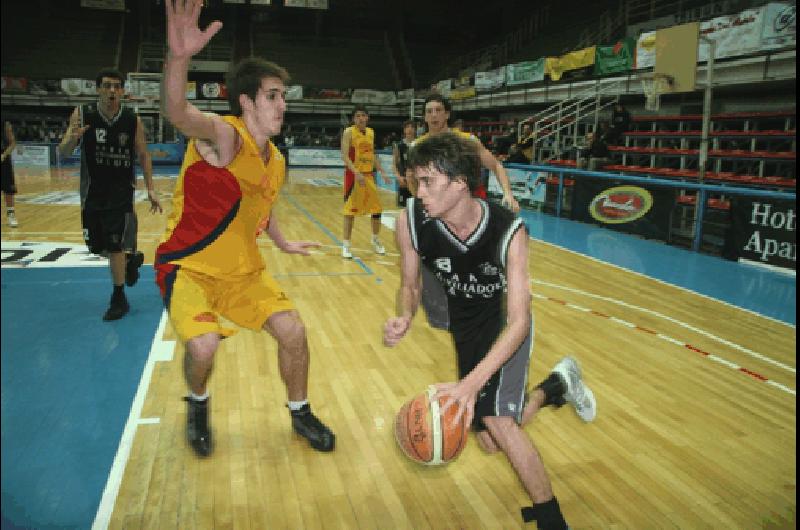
x=184 y=36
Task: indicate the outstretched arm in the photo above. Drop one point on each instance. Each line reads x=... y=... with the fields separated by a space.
x=185 y=39
x=290 y=247
x=492 y=164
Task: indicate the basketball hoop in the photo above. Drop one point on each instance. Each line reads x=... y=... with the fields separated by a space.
x=653 y=85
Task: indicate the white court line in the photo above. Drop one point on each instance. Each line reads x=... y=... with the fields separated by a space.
x=109 y=498
x=565 y=249
x=699 y=331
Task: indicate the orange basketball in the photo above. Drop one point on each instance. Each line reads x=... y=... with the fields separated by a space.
x=425 y=435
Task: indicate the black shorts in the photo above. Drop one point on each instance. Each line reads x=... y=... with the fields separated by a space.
x=7 y=182
x=109 y=230
x=504 y=392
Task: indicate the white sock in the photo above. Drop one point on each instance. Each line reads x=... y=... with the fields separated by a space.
x=199 y=398
x=374 y=238
x=296 y=405
x=346 y=243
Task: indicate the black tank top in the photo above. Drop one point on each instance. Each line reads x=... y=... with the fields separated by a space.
x=108 y=170
x=473 y=271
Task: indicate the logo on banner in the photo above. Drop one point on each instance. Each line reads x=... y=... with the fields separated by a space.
x=621 y=204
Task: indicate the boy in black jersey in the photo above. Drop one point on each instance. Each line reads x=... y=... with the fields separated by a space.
x=478 y=252
x=111 y=135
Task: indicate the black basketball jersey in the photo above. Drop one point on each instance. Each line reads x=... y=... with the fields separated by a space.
x=472 y=271
x=402 y=162
x=108 y=170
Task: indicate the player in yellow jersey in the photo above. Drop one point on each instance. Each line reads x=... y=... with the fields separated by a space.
x=437 y=115
x=360 y=187
x=208 y=264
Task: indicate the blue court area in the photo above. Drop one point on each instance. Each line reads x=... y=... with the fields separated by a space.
x=68 y=382
x=766 y=292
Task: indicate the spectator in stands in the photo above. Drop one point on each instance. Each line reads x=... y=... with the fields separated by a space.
x=523 y=148
x=360 y=181
x=437 y=115
x=459 y=125
x=400 y=159
x=596 y=153
x=620 y=124
x=108 y=181
x=209 y=264
x=7 y=182
x=502 y=144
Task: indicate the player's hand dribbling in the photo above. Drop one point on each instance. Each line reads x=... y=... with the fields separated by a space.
x=184 y=36
x=395 y=329
x=460 y=395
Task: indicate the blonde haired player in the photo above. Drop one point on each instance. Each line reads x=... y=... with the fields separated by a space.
x=360 y=188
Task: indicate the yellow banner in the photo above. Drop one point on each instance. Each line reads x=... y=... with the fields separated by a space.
x=556 y=66
x=462 y=93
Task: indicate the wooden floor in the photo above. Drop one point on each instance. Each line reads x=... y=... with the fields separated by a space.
x=682 y=439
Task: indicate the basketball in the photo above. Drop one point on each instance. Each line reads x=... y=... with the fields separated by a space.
x=425 y=435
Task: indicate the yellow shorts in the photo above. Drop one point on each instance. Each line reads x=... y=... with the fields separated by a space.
x=196 y=301
x=361 y=200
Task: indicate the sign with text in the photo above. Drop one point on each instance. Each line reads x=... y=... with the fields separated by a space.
x=764 y=231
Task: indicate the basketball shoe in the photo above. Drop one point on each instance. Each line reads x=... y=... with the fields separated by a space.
x=309 y=427
x=577 y=393
x=376 y=245
x=197 y=432
x=135 y=261
x=117 y=308
x=346 y=251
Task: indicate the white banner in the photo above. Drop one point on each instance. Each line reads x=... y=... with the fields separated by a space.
x=294 y=92
x=405 y=96
x=72 y=87
x=646 y=50
x=780 y=26
x=444 y=87
x=491 y=79
x=375 y=97
x=734 y=34
x=31 y=156
x=302 y=156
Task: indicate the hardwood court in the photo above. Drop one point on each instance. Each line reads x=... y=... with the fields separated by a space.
x=683 y=437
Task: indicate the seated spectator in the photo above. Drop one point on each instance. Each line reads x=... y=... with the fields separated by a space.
x=522 y=151
x=595 y=155
x=620 y=124
x=502 y=144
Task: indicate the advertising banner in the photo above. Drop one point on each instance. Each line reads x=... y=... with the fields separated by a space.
x=375 y=97
x=463 y=93
x=294 y=92
x=763 y=230
x=779 y=28
x=443 y=87
x=166 y=153
x=491 y=79
x=556 y=66
x=615 y=59
x=631 y=209
x=405 y=96
x=525 y=72
x=734 y=35
x=646 y=50
x=31 y=156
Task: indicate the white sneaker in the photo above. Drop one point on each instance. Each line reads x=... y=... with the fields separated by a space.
x=12 y=220
x=376 y=244
x=346 y=252
x=578 y=394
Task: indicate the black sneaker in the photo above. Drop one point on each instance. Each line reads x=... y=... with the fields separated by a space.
x=117 y=309
x=309 y=427
x=134 y=261
x=197 y=432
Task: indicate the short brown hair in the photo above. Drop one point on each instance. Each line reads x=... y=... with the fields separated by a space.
x=245 y=78
x=451 y=154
